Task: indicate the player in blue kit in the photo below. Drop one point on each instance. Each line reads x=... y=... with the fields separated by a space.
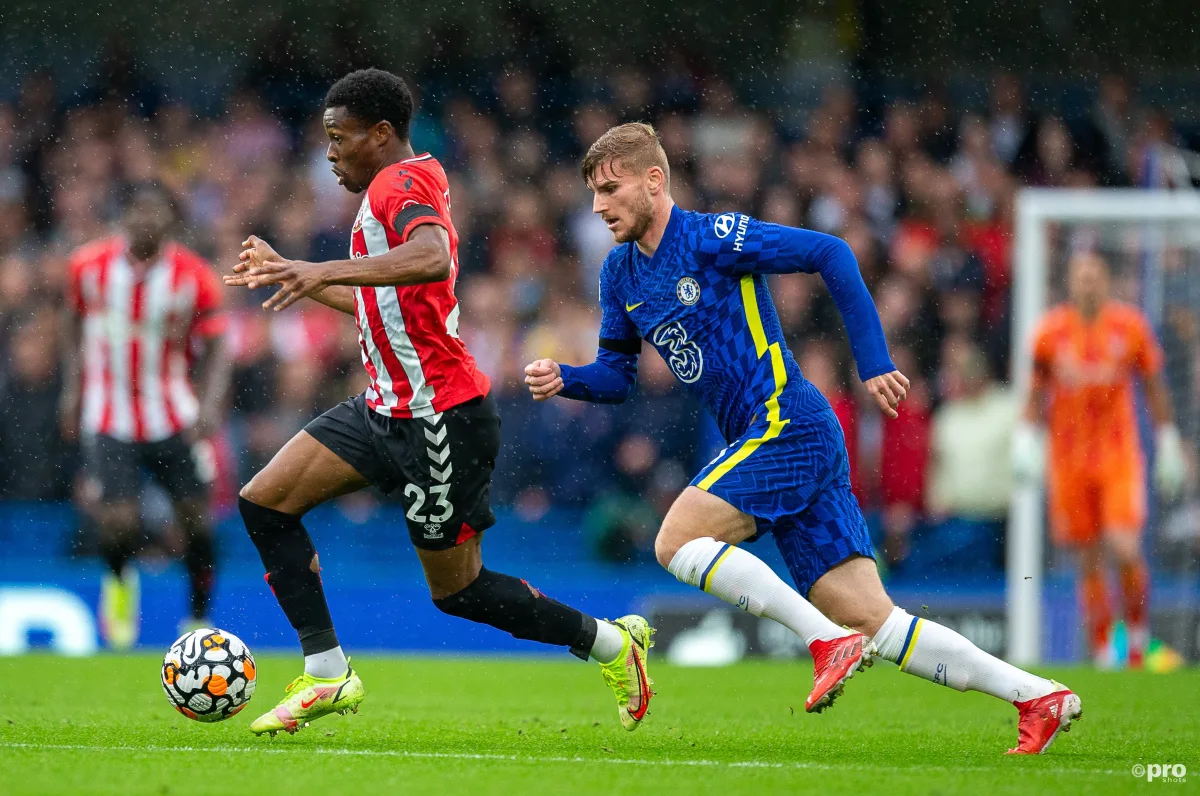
x=693 y=285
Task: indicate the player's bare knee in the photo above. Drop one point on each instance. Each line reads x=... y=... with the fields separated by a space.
x=1125 y=549
x=440 y=590
x=1090 y=557
x=250 y=492
x=696 y=514
x=665 y=548
x=448 y=572
x=259 y=492
x=671 y=537
x=446 y=584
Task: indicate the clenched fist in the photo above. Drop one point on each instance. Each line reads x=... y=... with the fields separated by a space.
x=544 y=378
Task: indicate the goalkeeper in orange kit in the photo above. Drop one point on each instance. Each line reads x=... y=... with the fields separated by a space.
x=1087 y=354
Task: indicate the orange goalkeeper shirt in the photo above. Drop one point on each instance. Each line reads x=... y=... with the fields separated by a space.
x=1089 y=370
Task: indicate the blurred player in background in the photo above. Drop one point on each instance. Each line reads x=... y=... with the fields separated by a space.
x=426 y=423
x=143 y=312
x=694 y=286
x=1087 y=355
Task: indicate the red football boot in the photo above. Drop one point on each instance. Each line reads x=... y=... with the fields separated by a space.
x=835 y=662
x=1043 y=718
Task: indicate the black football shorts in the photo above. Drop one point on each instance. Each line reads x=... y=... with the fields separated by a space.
x=443 y=463
x=118 y=467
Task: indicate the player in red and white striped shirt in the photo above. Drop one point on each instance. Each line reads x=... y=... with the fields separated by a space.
x=425 y=423
x=139 y=309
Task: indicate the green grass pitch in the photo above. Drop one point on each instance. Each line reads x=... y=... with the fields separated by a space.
x=516 y=726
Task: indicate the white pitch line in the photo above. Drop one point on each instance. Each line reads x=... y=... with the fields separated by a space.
x=798 y=766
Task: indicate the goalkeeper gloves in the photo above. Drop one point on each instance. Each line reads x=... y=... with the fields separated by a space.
x=1170 y=469
x=1028 y=454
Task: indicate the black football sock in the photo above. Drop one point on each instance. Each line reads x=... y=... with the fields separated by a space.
x=288 y=554
x=514 y=606
x=200 y=560
x=119 y=551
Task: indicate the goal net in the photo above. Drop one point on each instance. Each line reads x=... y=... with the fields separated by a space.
x=1151 y=240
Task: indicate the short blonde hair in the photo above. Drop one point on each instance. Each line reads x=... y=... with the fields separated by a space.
x=635 y=145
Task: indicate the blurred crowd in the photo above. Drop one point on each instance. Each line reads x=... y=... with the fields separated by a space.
x=923 y=192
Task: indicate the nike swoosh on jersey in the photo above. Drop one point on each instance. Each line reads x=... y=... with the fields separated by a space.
x=632 y=307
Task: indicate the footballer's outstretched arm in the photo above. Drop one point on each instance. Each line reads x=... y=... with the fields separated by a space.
x=260 y=264
x=423 y=258
x=782 y=249
x=608 y=380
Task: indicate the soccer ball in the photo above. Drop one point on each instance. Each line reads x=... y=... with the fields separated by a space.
x=208 y=674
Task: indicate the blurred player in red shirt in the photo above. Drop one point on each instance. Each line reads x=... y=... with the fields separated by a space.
x=141 y=311
x=1087 y=354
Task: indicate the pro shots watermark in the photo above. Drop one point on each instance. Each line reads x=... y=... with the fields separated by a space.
x=1160 y=772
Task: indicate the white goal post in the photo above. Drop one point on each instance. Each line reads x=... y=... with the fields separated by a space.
x=1037 y=208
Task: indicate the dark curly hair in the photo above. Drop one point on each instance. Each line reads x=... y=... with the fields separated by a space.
x=373 y=96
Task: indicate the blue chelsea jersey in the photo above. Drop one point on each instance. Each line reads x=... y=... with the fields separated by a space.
x=703 y=303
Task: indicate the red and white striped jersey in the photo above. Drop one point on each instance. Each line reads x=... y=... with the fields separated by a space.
x=138 y=326
x=409 y=335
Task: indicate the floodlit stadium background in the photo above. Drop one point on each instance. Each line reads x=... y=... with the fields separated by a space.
x=907 y=132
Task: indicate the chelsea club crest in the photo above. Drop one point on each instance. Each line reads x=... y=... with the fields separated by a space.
x=688 y=290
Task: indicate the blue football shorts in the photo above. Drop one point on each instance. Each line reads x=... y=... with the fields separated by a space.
x=794 y=479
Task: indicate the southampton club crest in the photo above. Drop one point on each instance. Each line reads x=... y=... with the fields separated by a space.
x=688 y=291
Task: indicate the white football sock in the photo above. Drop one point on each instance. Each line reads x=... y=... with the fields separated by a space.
x=609 y=642
x=326 y=665
x=936 y=653
x=742 y=579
